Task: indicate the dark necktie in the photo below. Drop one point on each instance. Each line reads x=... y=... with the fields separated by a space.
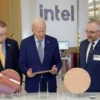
x=90 y=52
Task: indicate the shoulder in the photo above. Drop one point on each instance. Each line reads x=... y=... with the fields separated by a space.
x=51 y=38
x=27 y=39
x=84 y=42
x=11 y=41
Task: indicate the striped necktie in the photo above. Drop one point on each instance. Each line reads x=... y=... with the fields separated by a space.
x=90 y=52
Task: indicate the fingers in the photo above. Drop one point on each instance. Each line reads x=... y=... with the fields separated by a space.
x=54 y=70
x=54 y=67
x=30 y=70
x=29 y=73
x=18 y=90
x=33 y=75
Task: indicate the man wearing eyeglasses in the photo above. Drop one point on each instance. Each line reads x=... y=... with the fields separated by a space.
x=89 y=55
x=9 y=51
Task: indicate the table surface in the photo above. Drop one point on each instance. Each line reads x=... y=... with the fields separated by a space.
x=51 y=96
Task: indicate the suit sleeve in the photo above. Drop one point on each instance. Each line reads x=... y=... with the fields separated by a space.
x=23 y=59
x=16 y=59
x=57 y=58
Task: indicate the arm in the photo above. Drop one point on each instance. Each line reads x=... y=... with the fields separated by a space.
x=23 y=65
x=23 y=59
x=57 y=58
x=16 y=59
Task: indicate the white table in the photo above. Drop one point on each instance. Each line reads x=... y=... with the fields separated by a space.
x=54 y=96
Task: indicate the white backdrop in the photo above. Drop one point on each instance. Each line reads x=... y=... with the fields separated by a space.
x=62 y=30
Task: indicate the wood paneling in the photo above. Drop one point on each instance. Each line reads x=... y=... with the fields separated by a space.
x=5 y=12
x=16 y=20
x=11 y=14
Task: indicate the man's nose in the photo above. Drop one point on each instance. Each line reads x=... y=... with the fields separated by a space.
x=41 y=34
x=88 y=34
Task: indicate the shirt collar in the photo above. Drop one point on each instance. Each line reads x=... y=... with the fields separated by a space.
x=96 y=41
x=2 y=43
x=37 y=39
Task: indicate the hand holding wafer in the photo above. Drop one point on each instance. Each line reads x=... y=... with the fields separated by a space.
x=54 y=70
x=42 y=72
x=30 y=74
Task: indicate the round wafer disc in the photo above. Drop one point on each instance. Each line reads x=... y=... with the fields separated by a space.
x=9 y=81
x=77 y=80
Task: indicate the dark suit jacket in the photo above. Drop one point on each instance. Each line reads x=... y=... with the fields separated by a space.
x=12 y=56
x=29 y=59
x=92 y=67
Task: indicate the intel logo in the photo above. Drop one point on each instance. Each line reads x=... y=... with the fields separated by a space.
x=55 y=14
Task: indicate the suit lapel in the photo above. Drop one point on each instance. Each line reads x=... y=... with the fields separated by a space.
x=1 y=67
x=7 y=52
x=34 y=47
x=85 y=52
x=97 y=46
x=6 y=48
x=46 y=48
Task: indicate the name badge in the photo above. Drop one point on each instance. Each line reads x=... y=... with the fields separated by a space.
x=96 y=57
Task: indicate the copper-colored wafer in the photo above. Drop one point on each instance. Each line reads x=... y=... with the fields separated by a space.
x=41 y=72
x=9 y=73
x=77 y=80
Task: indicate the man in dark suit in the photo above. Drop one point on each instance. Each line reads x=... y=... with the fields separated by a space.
x=40 y=52
x=89 y=55
x=9 y=51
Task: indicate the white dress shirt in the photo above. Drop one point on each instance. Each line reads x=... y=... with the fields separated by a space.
x=95 y=43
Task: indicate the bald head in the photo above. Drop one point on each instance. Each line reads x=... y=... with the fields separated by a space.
x=38 y=21
x=39 y=28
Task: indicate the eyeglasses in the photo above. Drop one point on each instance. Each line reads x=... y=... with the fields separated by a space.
x=4 y=34
x=91 y=32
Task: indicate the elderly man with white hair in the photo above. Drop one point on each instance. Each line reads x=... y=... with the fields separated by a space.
x=40 y=52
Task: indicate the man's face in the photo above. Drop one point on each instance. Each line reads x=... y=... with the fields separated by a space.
x=3 y=34
x=92 y=32
x=39 y=31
